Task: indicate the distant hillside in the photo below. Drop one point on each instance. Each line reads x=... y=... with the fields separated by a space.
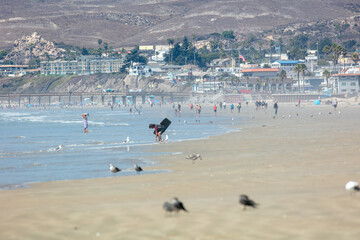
x=130 y=22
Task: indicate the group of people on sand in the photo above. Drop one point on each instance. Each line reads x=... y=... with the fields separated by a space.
x=232 y=107
x=261 y=104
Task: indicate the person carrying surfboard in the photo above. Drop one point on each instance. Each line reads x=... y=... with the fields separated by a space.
x=159 y=129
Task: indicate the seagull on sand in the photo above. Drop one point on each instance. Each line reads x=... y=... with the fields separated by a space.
x=174 y=206
x=246 y=201
x=166 y=138
x=138 y=168
x=194 y=157
x=352 y=187
x=127 y=140
x=179 y=205
x=114 y=169
x=168 y=207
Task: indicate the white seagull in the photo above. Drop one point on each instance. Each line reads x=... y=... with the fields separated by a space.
x=194 y=157
x=127 y=140
x=166 y=138
x=58 y=148
x=114 y=169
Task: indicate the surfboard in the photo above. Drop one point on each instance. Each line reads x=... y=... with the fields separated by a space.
x=165 y=124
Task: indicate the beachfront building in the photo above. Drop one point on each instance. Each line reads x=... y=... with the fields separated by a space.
x=13 y=70
x=139 y=69
x=260 y=72
x=347 y=83
x=84 y=65
x=288 y=66
x=58 y=67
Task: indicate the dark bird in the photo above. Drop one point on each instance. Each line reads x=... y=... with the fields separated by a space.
x=174 y=206
x=114 y=169
x=246 y=201
x=178 y=205
x=138 y=168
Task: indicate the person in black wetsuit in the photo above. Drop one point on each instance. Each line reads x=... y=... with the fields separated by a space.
x=158 y=130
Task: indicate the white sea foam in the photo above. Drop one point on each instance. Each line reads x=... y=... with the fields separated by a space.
x=176 y=153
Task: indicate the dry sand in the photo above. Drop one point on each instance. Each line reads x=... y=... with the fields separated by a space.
x=295 y=168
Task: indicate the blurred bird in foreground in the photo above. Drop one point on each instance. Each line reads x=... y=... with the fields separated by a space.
x=246 y=201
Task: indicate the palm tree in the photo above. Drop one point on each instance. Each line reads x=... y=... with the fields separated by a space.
x=326 y=74
x=170 y=42
x=271 y=43
x=282 y=76
x=99 y=41
x=355 y=57
x=298 y=70
x=337 y=51
x=303 y=70
x=326 y=49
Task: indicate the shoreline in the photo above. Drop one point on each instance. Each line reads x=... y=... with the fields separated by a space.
x=294 y=167
x=144 y=152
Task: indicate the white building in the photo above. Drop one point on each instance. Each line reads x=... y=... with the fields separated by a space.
x=84 y=65
x=348 y=83
x=139 y=69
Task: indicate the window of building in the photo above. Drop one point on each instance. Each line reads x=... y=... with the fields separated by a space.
x=343 y=90
x=353 y=84
x=343 y=84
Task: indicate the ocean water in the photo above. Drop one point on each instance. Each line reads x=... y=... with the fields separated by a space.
x=29 y=137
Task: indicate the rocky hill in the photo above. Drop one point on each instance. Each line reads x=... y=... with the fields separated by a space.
x=33 y=46
x=130 y=22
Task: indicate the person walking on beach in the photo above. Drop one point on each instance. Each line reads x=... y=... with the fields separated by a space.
x=335 y=103
x=276 y=107
x=298 y=103
x=85 y=116
x=224 y=105
x=232 y=107
x=239 y=107
x=215 y=108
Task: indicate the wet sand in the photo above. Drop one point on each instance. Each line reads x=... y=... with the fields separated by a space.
x=295 y=167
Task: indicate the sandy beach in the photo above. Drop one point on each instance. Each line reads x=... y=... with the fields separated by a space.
x=294 y=167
